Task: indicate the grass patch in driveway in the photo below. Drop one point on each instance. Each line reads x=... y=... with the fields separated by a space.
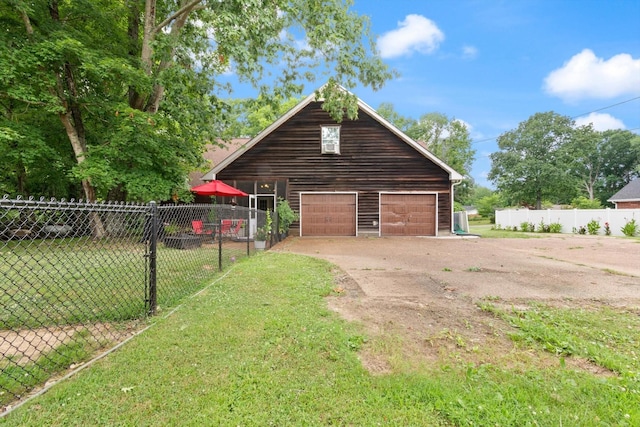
x=260 y=347
x=602 y=335
x=488 y=231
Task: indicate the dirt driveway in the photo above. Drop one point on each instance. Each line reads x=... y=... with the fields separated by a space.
x=427 y=291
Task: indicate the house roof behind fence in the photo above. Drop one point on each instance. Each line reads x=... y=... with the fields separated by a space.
x=215 y=154
x=630 y=192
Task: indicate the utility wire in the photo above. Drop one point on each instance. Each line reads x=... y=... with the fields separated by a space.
x=604 y=108
x=574 y=117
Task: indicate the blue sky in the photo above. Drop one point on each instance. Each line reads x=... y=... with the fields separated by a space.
x=493 y=63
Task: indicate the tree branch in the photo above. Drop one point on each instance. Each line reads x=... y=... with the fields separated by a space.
x=153 y=103
x=187 y=8
x=27 y=22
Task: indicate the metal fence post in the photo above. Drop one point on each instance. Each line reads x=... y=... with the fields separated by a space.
x=247 y=231
x=153 y=245
x=220 y=244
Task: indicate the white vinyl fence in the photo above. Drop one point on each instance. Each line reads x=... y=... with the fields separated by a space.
x=570 y=219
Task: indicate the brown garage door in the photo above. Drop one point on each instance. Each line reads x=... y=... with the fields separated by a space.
x=328 y=214
x=408 y=214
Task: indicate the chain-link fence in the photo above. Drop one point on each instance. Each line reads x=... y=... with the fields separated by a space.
x=77 y=278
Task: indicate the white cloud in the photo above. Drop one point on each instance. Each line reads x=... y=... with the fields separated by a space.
x=465 y=124
x=587 y=76
x=469 y=52
x=446 y=133
x=601 y=122
x=415 y=34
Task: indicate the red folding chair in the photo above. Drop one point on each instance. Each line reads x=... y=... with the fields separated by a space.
x=199 y=230
x=225 y=227
x=235 y=230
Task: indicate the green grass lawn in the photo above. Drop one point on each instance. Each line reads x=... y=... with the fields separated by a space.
x=487 y=230
x=259 y=347
x=56 y=284
x=78 y=288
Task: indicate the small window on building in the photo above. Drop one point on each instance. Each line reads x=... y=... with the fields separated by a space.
x=330 y=139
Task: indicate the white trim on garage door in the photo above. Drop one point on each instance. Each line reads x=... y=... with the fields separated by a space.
x=324 y=213
x=410 y=213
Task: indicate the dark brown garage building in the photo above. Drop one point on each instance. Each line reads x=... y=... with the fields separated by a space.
x=345 y=179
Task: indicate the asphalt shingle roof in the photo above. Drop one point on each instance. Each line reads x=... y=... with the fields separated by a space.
x=631 y=191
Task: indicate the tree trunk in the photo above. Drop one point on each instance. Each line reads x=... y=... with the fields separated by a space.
x=71 y=119
x=21 y=176
x=133 y=32
x=151 y=103
x=589 y=188
x=79 y=148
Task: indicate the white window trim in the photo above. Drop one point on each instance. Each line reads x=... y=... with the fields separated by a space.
x=335 y=145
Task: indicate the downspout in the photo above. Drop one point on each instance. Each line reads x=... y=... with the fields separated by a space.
x=453 y=184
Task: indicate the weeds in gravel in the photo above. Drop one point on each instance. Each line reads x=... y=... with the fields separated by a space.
x=606 y=337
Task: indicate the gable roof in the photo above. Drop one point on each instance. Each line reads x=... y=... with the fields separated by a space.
x=453 y=175
x=213 y=155
x=628 y=193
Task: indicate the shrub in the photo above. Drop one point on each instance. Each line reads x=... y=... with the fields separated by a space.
x=526 y=226
x=543 y=228
x=555 y=227
x=607 y=229
x=585 y=203
x=593 y=227
x=487 y=206
x=630 y=229
x=580 y=230
x=546 y=204
x=263 y=233
x=286 y=215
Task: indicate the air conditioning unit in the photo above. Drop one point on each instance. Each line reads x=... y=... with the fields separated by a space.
x=331 y=148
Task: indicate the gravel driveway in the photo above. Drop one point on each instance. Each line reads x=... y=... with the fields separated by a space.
x=558 y=267
x=417 y=288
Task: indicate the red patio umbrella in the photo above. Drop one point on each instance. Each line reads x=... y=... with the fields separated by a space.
x=217 y=188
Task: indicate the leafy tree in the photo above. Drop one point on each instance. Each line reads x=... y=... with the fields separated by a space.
x=250 y=116
x=620 y=151
x=531 y=164
x=133 y=87
x=387 y=111
x=35 y=159
x=447 y=138
x=585 y=152
x=478 y=192
x=487 y=206
x=602 y=162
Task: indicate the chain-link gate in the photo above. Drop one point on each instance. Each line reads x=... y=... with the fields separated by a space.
x=77 y=278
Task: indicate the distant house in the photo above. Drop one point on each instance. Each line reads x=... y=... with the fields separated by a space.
x=628 y=197
x=356 y=177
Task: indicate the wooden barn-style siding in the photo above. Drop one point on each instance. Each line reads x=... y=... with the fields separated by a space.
x=371 y=159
